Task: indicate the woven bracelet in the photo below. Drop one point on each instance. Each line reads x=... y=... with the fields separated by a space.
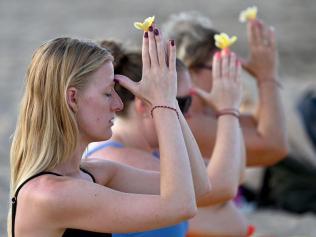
x=233 y=112
x=164 y=107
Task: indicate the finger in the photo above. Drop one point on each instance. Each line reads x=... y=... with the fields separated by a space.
x=127 y=83
x=200 y=92
x=232 y=66
x=225 y=64
x=172 y=56
x=216 y=66
x=261 y=33
x=258 y=34
x=238 y=71
x=251 y=33
x=160 y=48
x=145 y=53
x=152 y=47
x=271 y=33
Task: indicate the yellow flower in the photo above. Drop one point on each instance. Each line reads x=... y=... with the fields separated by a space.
x=249 y=14
x=146 y=24
x=223 y=41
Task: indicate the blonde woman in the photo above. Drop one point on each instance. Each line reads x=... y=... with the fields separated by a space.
x=70 y=101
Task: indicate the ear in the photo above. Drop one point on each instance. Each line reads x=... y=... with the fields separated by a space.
x=72 y=99
x=141 y=107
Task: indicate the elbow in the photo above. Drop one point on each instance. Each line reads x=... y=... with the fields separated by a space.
x=186 y=212
x=268 y=154
x=183 y=209
x=189 y=212
x=277 y=153
x=219 y=195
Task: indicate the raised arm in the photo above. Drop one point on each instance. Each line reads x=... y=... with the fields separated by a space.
x=227 y=162
x=97 y=208
x=264 y=132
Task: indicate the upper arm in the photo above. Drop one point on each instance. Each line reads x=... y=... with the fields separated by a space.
x=259 y=150
x=123 y=177
x=84 y=205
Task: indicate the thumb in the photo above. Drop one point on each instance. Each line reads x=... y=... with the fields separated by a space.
x=126 y=83
x=246 y=66
x=204 y=95
x=199 y=92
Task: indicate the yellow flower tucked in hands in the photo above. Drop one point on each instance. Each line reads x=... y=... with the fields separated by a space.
x=223 y=41
x=146 y=24
x=249 y=14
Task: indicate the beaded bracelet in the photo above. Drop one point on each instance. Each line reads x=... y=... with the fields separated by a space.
x=163 y=106
x=233 y=112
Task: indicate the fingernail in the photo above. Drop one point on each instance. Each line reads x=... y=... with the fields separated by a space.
x=217 y=55
x=116 y=81
x=156 y=31
x=192 y=92
x=172 y=42
x=146 y=34
x=225 y=51
x=151 y=28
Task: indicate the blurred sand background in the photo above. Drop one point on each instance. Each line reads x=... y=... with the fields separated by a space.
x=24 y=25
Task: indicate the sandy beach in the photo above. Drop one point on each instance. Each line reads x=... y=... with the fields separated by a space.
x=24 y=25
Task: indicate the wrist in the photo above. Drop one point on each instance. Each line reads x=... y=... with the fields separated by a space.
x=163 y=107
x=228 y=111
x=269 y=82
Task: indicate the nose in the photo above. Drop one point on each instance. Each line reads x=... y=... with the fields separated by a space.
x=117 y=104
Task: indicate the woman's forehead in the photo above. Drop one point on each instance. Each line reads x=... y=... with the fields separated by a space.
x=104 y=76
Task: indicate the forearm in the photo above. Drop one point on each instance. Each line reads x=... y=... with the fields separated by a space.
x=202 y=186
x=176 y=180
x=227 y=161
x=271 y=122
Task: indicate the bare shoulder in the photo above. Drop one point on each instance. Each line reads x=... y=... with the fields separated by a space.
x=129 y=156
x=41 y=200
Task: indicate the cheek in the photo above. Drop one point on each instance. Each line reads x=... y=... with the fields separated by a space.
x=95 y=109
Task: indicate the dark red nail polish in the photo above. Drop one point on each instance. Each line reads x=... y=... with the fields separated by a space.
x=116 y=81
x=172 y=42
x=156 y=31
x=146 y=34
x=151 y=28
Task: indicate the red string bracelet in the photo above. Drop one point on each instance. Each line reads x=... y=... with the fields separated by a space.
x=233 y=112
x=165 y=107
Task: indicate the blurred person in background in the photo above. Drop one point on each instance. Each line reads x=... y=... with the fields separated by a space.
x=264 y=131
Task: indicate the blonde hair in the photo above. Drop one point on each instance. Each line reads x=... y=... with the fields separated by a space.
x=46 y=132
x=194 y=36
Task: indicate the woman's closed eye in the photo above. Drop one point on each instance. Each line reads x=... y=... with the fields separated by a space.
x=109 y=94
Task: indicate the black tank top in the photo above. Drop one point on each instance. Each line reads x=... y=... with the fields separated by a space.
x=68 y=232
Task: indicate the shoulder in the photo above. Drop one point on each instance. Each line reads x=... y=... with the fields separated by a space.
x=42 y=199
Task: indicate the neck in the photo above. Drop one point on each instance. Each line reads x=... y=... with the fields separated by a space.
x=71 y=167
x=128 y=132
x=198 y=105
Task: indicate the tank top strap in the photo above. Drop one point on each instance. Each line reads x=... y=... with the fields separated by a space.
x=15 y=197
x=103 y=145
x=88 y=173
